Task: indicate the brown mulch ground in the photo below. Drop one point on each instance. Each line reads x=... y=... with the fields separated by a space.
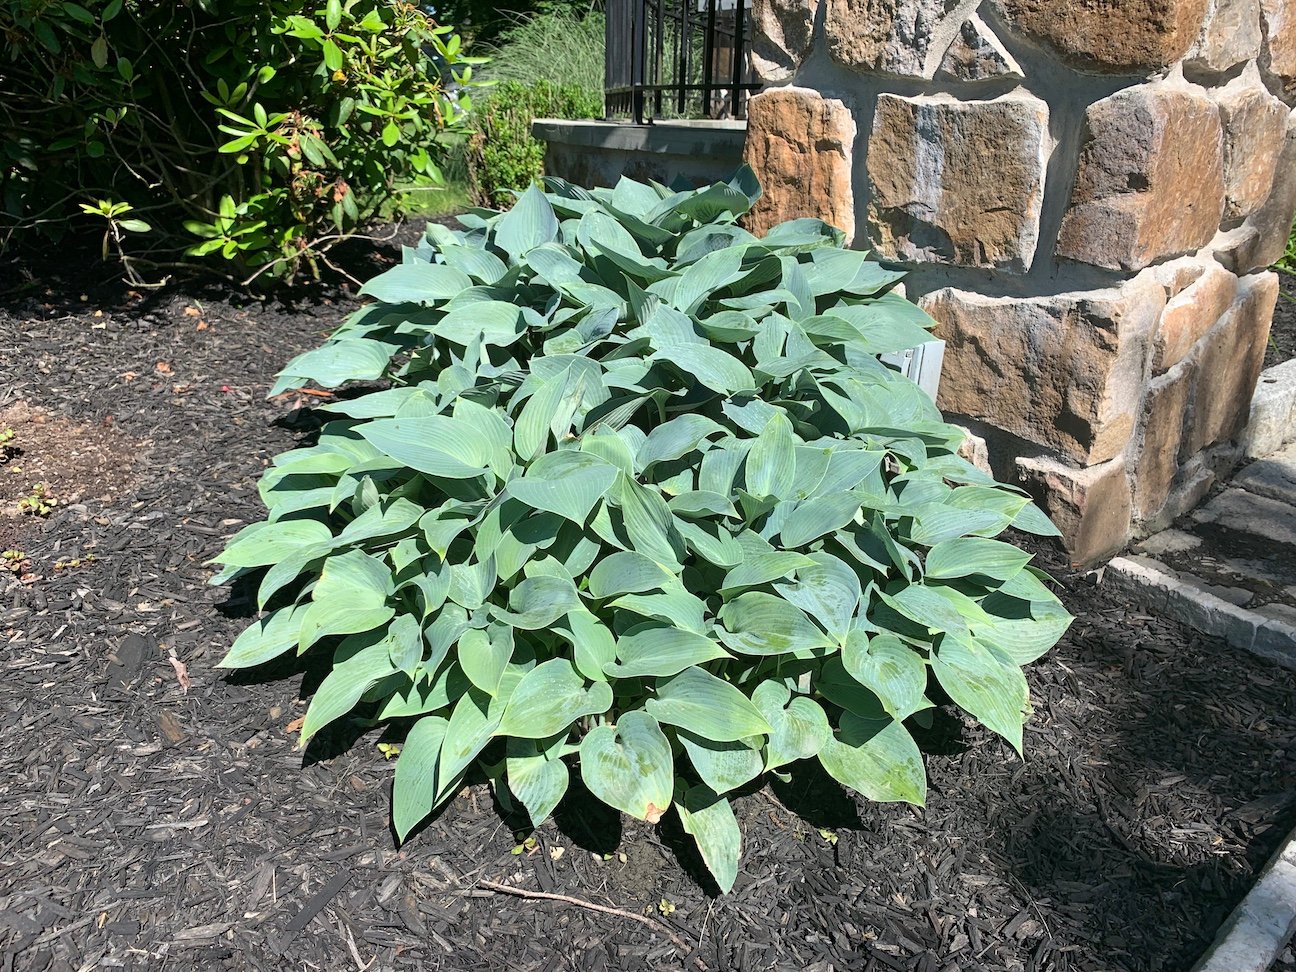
x=146 y=827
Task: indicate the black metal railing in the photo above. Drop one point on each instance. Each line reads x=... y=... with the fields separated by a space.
x=677 y=59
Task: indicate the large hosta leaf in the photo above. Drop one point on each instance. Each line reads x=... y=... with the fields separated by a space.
x=568 y=483
x=876 y=758
x=630 y=766
x=708 y=706
x=710 y=820
x=434 y=444
x=763 y=624
x=991 y=688
x=549 y=698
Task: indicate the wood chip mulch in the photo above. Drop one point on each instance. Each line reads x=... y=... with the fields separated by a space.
x=154 y=814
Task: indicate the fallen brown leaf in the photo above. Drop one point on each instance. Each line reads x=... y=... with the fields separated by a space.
x=295 y=725
x=181 y=672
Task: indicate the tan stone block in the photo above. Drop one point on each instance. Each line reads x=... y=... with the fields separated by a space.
x=1278 y=60
x=1264 y=235
x=783 y=33
x=977 y=54
x=1231 y=35
x=958 y=182
x=800 y=145
x=1065 y=372
x=1178 y=275
x=1091 y=506
x=900 y=38
x=1229 y=364
x=975 y=450
x=1255 y=127
x=1191 y=314
x=1110 y=36
x=1150 y=182
x=1168 y=399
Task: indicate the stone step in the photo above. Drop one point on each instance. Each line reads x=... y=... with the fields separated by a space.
x=1245 y=512
x=1273 y=476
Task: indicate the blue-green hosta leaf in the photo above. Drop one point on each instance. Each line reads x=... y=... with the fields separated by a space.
x=886 y=324
x=934 y=522
x=711 y=367
x=675 y=438
x=1022 y=630
x=828 y=589
x=876 y=758
x=482 y=265
x=890 y=669
x=593 y=647
x=701 y=280
x=649 y=524
x=659 y=649
x=818 y=517
x=627 y=572
x=404 y=641
x=261 y=544
x=549 y=698
x=711 y=707
x=723 y=766
x=568 y=483
x=265 y=639
x=711 y=542
x=761 y=563
x=337 y=362
x=799 y=725
x=985 y=685
x=349 y=598
x=675 y=606
x=538 y=602
x=931 y=607
x=496 y=322
x=417 y=283
x=484 y=654
x=414 y=792
x=472 y=723
x=710 y=820
x=1032 y=520
x=968 y=556
x=550 y=408
x=436 y=444
x=382 y=520
x=756 y=623
x=530 y=223
x=630 y=767
x=377 y=404
x=343 y=686
x=537 y=776
x=702 y=504
x=771 y=462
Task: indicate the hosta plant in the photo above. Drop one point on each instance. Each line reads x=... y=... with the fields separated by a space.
x=638 y=500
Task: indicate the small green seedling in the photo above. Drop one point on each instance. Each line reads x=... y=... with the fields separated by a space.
x=40 y=502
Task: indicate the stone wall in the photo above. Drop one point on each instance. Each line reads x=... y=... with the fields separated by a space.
x=1088 y=193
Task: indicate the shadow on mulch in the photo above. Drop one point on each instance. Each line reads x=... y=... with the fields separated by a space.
x=143 y=826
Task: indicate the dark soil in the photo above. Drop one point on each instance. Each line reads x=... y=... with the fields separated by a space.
x=1282 y=333
x=143 y=826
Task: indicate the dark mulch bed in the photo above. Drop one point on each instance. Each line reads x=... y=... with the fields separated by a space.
x=143 y=827
x=1282 y=334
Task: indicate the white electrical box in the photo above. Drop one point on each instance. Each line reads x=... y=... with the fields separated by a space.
x=921 y=365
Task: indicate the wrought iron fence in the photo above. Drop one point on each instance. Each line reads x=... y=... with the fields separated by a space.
x=678 y=59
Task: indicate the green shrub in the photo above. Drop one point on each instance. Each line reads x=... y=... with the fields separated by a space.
x=267 y=129
x=502 y=155
x=640 y=496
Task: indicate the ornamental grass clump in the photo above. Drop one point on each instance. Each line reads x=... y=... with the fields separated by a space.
x=639 y=501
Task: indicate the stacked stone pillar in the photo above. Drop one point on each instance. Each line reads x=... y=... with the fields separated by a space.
x=1088 y=194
